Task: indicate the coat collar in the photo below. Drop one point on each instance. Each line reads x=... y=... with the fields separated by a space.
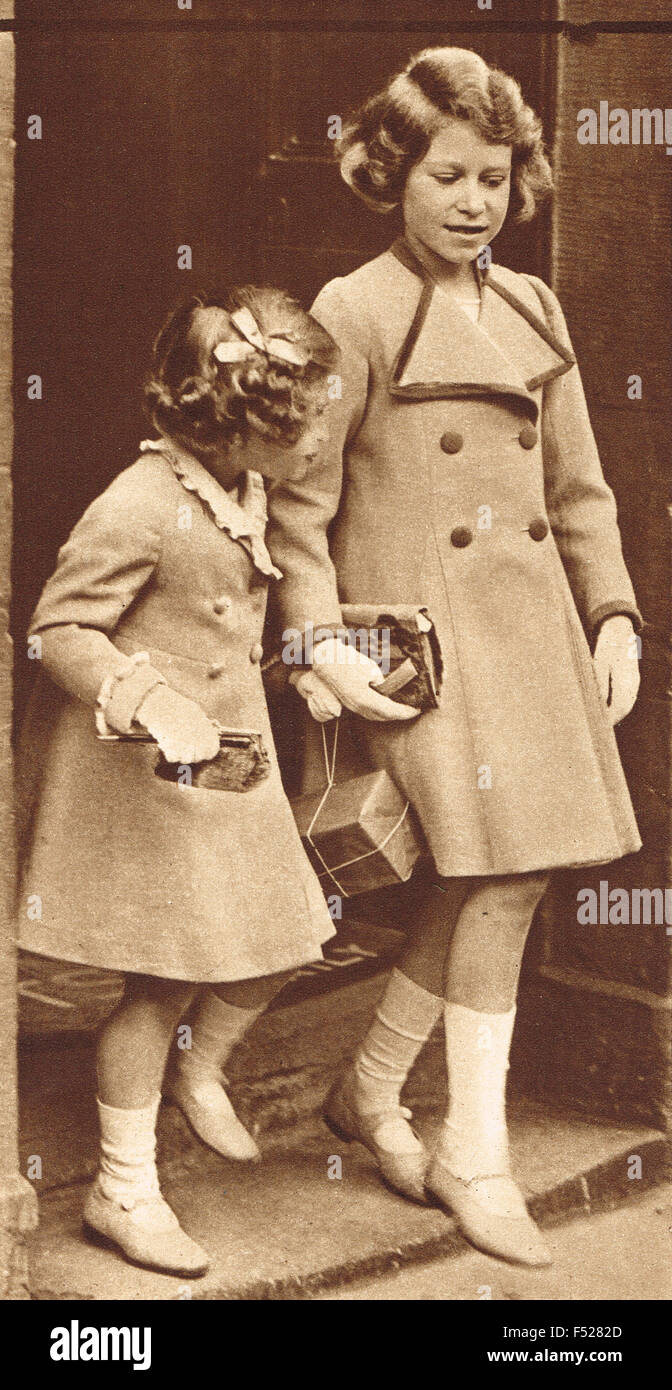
x=242 y=511
x=510 y=351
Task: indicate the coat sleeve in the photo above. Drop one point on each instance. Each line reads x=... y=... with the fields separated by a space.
x=107 y=560
x=581 y=506
x=300 y=513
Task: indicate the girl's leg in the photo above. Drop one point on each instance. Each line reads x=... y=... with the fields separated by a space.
x=413 y=1000
x=425 y=954
x=365 y=1103
x=471 y=1171
x=224 y=1013
x=486 y=951
x=133 y=1044
x=125 y=1204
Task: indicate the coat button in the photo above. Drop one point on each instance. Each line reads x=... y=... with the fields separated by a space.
x=528 y=437
x=451 y=442
x=461 y=536
x=256 y=653
x=538 y=529
x=216 y=669
x=222 y=603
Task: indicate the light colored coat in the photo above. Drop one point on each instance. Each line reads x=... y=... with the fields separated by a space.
x=132 y=872
x=463 y=474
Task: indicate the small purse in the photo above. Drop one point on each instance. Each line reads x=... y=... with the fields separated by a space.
x=403 y=636
x=242 y=761
x=400 y=638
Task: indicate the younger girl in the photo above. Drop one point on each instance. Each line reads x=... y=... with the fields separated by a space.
x=151 y=624
x=462 y=473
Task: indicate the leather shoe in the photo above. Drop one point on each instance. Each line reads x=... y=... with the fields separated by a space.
x=513 y=1237
x=206 y=1106
x=146 y=1230
x=403 y=1167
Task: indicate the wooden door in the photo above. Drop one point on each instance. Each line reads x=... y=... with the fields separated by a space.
x=311 y=227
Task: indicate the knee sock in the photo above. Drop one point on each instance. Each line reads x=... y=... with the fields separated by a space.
x=474 y=1140
x=216 y=1028
x=128 y=1149
x=405 y=1017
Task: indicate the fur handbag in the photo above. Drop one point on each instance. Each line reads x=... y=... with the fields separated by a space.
x=242 y=762
x=400 y=638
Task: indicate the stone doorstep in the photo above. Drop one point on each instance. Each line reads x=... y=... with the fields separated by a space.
x=284 y=1230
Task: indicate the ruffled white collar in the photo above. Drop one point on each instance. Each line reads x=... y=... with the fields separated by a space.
x=242 y=511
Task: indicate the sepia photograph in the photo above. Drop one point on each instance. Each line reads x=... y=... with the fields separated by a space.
x=336 y=736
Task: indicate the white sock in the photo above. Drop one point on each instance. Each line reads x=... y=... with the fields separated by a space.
x=216 y=1028
x=128 y=1150
x=474 y=1140
x=405 y=1017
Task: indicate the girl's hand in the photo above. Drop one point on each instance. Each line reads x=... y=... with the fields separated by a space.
x=617 y=666
x=322 y=703
x=350 y=676
x=181 y=728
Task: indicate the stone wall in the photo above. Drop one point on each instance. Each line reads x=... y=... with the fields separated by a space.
x=17 y=1199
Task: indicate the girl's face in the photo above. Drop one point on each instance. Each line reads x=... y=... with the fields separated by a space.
x=456 y=197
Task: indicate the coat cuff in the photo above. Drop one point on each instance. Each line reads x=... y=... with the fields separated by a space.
x=613 y=610
x=122 y=693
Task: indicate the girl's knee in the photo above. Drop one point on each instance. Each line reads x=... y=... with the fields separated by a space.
x=509 y=903
x=166 y=996
x=530 y=890
x=520 y=892
x=445 y=898
x=253 y=993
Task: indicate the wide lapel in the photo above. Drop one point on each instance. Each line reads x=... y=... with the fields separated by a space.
x=508 y=352
x=522 y=334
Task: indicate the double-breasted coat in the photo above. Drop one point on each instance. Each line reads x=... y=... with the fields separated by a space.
x=166 y=575
x=463 y=474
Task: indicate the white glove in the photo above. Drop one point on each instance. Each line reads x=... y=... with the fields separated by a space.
x=350 y=676
x=181 y=728
x=617 y=666
x=322 y=703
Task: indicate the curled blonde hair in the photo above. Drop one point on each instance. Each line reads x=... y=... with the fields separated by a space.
x=207 y=404
x=392 y=131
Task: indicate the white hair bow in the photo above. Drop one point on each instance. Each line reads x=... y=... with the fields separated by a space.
x=254 y=341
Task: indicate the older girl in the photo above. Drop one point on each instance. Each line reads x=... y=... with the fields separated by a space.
x=463 y=475
x=152 y=623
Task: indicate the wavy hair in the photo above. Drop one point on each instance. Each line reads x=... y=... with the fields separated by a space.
x=207 y=404
x=392 y=131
